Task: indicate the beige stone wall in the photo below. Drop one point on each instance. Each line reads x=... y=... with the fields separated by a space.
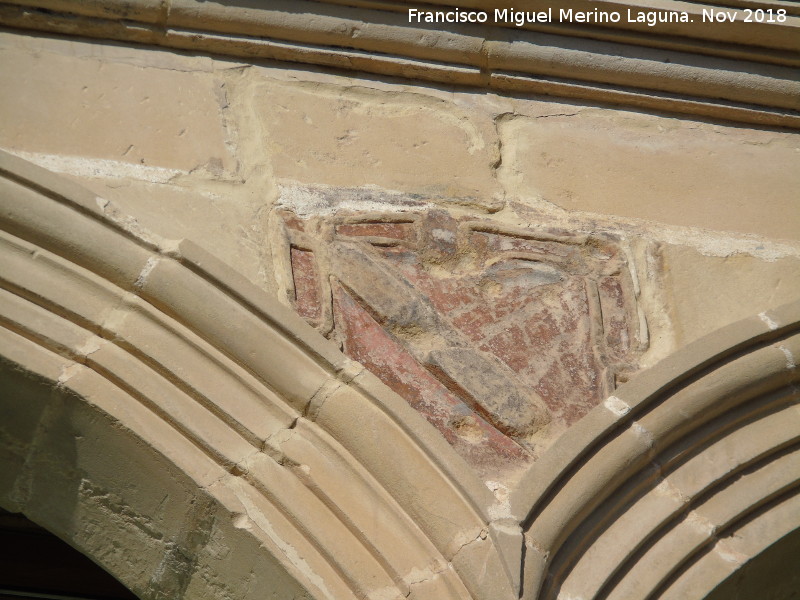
x=252 y=160
x=200 y=148
x=305 y=471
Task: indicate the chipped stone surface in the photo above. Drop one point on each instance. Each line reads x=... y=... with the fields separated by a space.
x=501 y=262
x=467 y=431
x=703 y=290
x=660 y=168
x=113 y=111
x=499 y=336
x=488 y=155
x=341 y=138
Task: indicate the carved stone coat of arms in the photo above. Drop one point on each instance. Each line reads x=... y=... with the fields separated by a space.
x=500 y=336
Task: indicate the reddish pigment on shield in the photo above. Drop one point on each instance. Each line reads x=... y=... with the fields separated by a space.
x=306 y=284
x=398 y=231
x=486 y=448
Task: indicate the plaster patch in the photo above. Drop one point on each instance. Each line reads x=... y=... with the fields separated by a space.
x=146 y=270
x=416 y=575
x=617 y=406
x=722 y=244
x=82 y=166
x=443 y=235
x=241 y=521
x=790 y=361
x=91 y=345
x=502 y=508
x=385 y=593
x=701 y=523
x=68 y=372
x=769 y=322
x=321 y=200
x=723 y=550
x=260 y=520
x=631 y=264
x=642 y=431
x=117 y=317
x=665 y=488
x=349 y=371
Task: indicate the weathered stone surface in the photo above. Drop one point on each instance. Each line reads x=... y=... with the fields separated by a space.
x=482 y=290
x=486 y=448
x=499 y=336
x=489 y=386
x=229 y=221
x=341 y=139
x=91 y=108
x=663 y=169
x=704 y=291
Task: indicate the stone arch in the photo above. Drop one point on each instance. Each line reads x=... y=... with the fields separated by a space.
x=684 y=476
x=198 y=439
x=153 y=347
x=92 y=481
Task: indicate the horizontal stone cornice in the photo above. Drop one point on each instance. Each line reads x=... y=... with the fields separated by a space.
x=722 y=71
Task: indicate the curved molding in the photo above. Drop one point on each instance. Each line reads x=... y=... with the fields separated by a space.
x=70 y=464
x=718 y=71
x=309 y=456
x=669 y=474
x=286 y=456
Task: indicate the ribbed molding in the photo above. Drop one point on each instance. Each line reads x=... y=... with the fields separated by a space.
x=735 y=71
x=310 y=457
x=298 y=457
x=695 y=462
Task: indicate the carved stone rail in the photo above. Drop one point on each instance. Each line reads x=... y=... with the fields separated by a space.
x=736 y=71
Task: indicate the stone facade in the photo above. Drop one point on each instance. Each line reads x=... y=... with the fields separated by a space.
x=501 y=337
x=309 y=302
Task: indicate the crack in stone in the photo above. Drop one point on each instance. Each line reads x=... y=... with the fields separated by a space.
x=424 y=576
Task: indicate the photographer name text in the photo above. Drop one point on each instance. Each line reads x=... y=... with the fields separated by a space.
x=651 y=18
